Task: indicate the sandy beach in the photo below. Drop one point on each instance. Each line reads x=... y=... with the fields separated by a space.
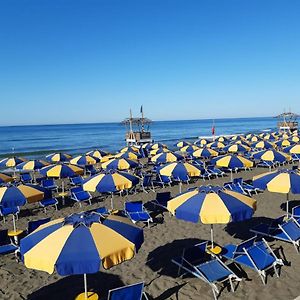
x=164 y=240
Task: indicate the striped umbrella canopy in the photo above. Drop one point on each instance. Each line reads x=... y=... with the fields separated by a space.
x=97 y=153
x=285 y=135
x=212 y=205
x=216 y=145
x=181 y=144
x=32 y=165
x=119 y=164
x=201 y=142
x=158 y=145
x=159 y=150
x=129 y=154
x=252 y=137
x=294 y=149
x=272 y=155
x=130 y=148
x=107 y=158
x=61 y=171
x=294 y=139
x=4 y=178
x=222 y=139
x=85 y=160
x=236 y=138
x=269 y=136
x=284 y=143
x=279 y=181
x=235 y=148
x=147 y=146
x=189 y=148
x=11 y=162
x=58 y=157
x=81 y=244
x=205 y=153
x=262 y=145
x=166 y=157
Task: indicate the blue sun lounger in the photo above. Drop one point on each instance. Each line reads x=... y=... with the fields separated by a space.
x=6 y=245
x=128 y=292
x=288 y=231
x=79 y=195
x=210 y=269
x=257 y=256
x=137 y=213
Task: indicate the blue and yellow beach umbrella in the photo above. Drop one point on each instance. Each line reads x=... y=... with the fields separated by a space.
x=181 y=144
x=189 y=148
x=159 y=150
x=128 y=154
x=212 y=205
x=158 y=145
x=85 y=160
x=97 y=153
x=284 y=143
x=32 y=165
x=11 y=162
x=222 y=139
x=201 y=142
x=4 y=178
x=130 y=148
x=272 y=155
x=236 y=138
x=81 y=244
x=58 y=157
x=205 y=153
x=119 y=164
x=61 y=171
x=232 y=161
x=294 y=138
x=179 y=170
x=216 y=145
x=162 y=158
x=253 y=138
x=236 y=148
x=294 y=149
x=269 y=136
x=263 y=145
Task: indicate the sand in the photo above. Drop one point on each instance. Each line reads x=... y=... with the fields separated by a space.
x=164 y=240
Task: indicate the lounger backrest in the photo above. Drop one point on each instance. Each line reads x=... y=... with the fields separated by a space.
x=165 y=179
x=4 y=239
x=163 y=197
x=33 y=225
x=48 y=182
x=246 y=244
x=296 y=211
x=135 y=206
x=147 y=180
x=238 y=180
x=291 y=229
x=26 y=176
x=129 y=292
x=76 y=189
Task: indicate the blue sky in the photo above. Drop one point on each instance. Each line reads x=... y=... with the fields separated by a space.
x=71 y=61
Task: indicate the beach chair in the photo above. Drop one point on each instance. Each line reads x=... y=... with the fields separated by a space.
x=7 y=211
x=79 y=195
x=77 y=180
x=128 y=292
x=49 y=184
x=296 y=212
x=236 y=187
x=102 y=211
x=286 y=231
x=33 y=225
x=182 y=179
x=215 y=171
x=257 y=256
x=90 y=169
x=228 y=185
x=205 y=174
x=6 y=245
x=161 y=201
x=295 y=157
x=147 y=183
x=136 y=212
x=247 y=185
x=162 y=180
x=210 y=269
x=26 y=178
x=48 y=202
x=266 y=164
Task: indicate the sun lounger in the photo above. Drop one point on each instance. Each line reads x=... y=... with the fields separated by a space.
x=147 y=183
x=77 y=180
x=247 y=187
x=161 y=201
x=33 y=225
x=162 y=180
x=197 y=262
x=79 y=195
x=136 y=212
x=6 y=245
x=7 y=211
x=257 y=256
x=49 y=184
x=215 y=171
x=26 y=178
x=128 y=292
x=48 y=202
x=102 y=211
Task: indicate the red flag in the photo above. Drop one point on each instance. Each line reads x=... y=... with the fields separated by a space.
x=213 y=130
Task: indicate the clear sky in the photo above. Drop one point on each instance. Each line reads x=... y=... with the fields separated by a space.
x=71 y=61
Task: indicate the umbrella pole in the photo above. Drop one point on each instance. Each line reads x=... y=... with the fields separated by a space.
x=231 y=175
x=85 y=286
x=111 y=201
x=212 y=235
x=287 y=205
x=180 y=187
x=14 y=223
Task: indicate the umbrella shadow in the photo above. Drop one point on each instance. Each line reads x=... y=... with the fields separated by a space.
x=241 y=230
x=170 y=292
x=159 y=260
x=292 y=204
x=67 y=288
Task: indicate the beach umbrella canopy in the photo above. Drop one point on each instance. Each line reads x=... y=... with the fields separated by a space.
x=159 y=150
x=181 y=144
x=61 y=171
x=166 y=157
x=294 y=139
x=189 y=148
x=212 y=205
x=205 y=153
x=222 y=139
x=130 y=148
x=272 y=156
x=294 y=149
x=128 y=154
x=119 y=164
x=85 y=160
x=201 y=142
x=236 y=138
x=284 y=143
x=4 y=178
x=58 y=157
x=158 y=145
x=81 y=243
x=252 y=137
x=97 y=153
x=269 y=136
x=147 y=146
x=263 y=145
x=235 y=148
x=216 y=145
x=11 y=162
x=279 y=181
x=232 y=161
x=32 y=165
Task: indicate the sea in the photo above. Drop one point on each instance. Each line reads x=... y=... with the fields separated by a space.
x=36 y=141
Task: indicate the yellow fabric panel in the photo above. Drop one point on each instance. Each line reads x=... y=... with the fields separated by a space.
x=192 y=170
x=54 y=172
x=43 y=255
x=295 y=149
x=112 y=246
x=280 y=184
x=214 y=211
x=177 y=201
x=246 y=162
x=2 y=191
x=223 y=162
x=92 y=183
x=32 y=195
x=121 y=182
x=245 y=199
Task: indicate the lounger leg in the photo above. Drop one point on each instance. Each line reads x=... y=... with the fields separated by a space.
x=80 y=204
x=275 y=270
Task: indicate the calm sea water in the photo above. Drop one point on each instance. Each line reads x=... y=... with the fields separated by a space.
x=38 y=140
